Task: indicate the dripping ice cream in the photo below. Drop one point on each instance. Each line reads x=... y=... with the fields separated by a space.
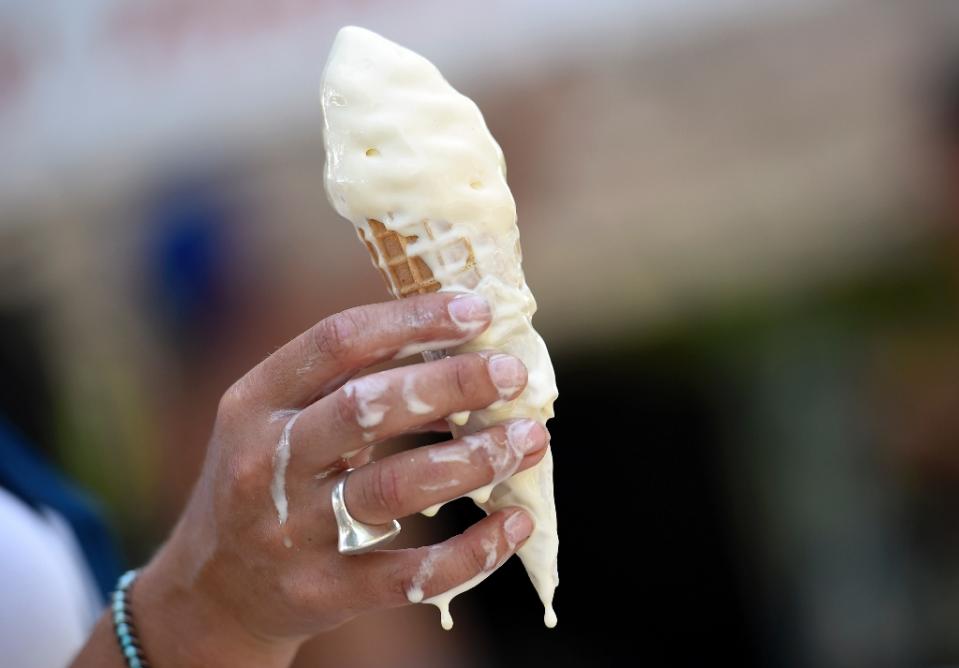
x=411 y=163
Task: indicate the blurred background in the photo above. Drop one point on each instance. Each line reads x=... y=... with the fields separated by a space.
x=741 y=223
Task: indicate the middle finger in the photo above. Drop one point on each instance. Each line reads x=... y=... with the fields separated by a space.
x=392 y=402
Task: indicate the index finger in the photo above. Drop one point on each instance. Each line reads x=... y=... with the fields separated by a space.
x=325 y=356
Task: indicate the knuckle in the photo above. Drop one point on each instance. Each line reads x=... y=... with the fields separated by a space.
x=234 y=401
x=473 y=558
x=333 y=337
x=297 y=595
x=345 y=406
x=384 y=489
x=422 y=313
x=465 y=376
x=410 y=579
x=500 y=436
x=497 y=456
x=250 y=474
x=400 y=584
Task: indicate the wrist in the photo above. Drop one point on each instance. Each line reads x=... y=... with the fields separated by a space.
x=180 y=625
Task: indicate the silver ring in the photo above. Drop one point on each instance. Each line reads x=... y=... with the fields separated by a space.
x=357 y=537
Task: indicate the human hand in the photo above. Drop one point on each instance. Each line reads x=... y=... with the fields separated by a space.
x=236 y=586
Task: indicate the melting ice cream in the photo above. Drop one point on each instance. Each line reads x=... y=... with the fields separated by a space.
x=411 y=163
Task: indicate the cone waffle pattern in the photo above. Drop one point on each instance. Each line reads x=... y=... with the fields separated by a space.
x=407 y=274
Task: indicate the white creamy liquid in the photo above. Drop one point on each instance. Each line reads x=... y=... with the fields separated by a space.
x=281 y=459
x=406 y=149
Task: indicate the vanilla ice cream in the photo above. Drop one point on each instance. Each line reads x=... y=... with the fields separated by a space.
x=411 y=163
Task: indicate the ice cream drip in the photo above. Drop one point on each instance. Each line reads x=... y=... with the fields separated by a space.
x=411 y=163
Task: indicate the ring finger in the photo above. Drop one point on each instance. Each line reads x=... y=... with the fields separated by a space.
x=410 y=482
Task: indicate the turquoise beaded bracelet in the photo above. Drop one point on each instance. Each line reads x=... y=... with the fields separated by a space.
x=123 y=622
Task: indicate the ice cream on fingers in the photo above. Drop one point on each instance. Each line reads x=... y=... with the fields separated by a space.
x=411 y=163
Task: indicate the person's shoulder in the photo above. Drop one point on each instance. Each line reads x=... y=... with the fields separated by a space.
x=44 y=610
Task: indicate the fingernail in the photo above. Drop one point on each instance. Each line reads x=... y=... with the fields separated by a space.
x=467 y=311
x=518 y=527
x=526 y=436
x=507 y=373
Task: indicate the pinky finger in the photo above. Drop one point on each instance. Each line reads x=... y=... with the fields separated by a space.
x=438 y=573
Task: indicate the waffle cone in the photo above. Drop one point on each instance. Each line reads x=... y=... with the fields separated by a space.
x=408 y=274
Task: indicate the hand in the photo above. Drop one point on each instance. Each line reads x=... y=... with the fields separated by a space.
x=235 y=586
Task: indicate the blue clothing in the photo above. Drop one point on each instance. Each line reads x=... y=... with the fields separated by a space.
x=28 y=476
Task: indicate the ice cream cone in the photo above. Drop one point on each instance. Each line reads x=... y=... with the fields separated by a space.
x=407 y=274
x=411 y=163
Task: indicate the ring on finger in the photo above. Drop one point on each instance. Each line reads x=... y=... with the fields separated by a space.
x=355 y=537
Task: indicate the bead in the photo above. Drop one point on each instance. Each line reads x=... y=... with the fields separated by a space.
x=123 y=622
x=126 y=579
